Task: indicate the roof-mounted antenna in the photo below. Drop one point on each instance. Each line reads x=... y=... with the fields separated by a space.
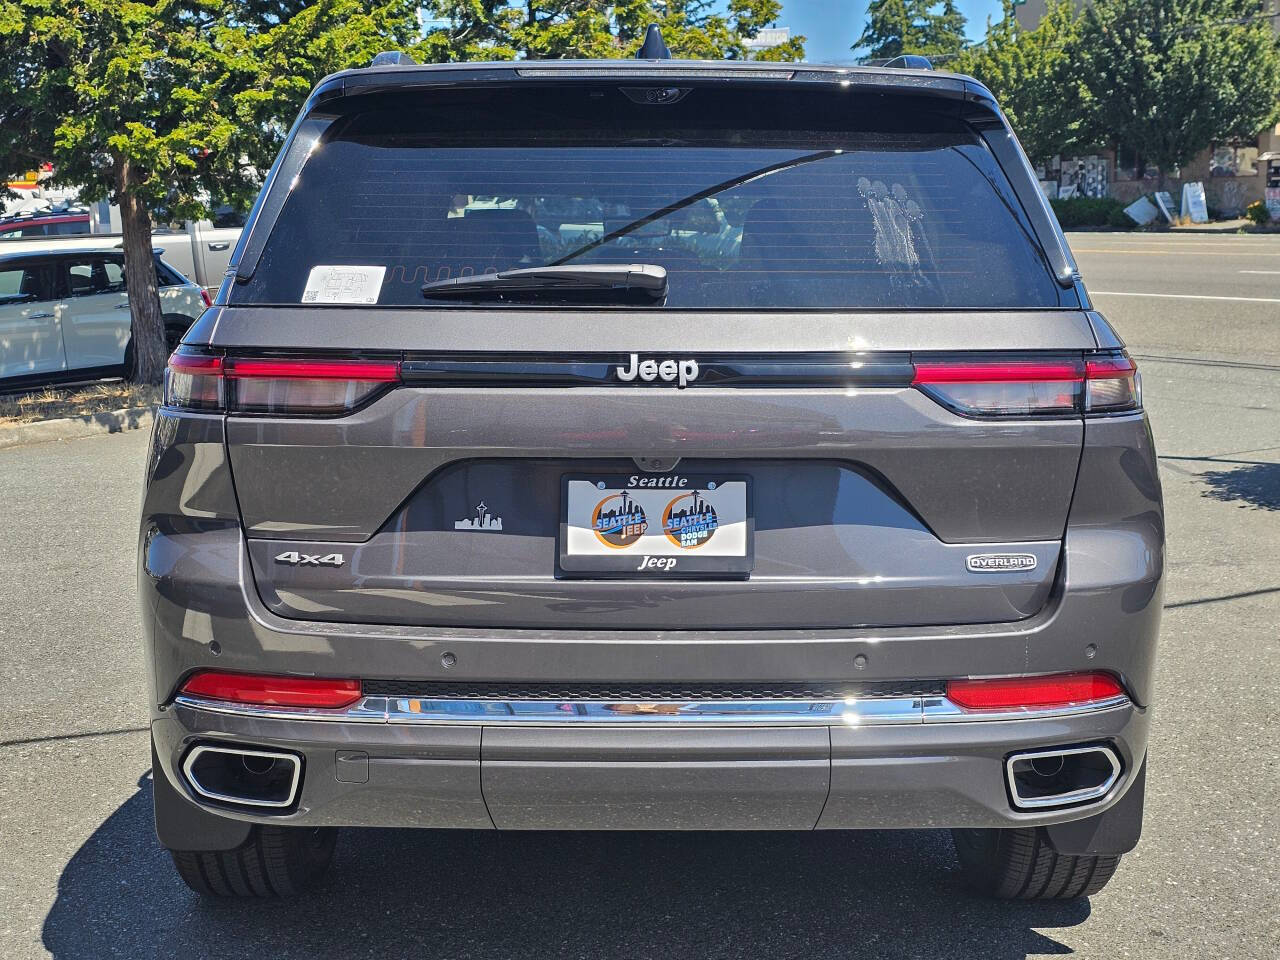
x=393 y=58
x=654 y=47
x=910 y=61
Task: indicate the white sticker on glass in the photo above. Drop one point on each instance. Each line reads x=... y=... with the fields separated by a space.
x=343 y=284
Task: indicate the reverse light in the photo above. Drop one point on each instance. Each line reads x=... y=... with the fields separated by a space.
x=1112 y=383
x=284 y=387
x=1054 y=690
x=194 y=382
x=272 y=691
x=1030 y=388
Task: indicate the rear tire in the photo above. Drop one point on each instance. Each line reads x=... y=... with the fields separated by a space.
x=1021 y=864
x=273 y=862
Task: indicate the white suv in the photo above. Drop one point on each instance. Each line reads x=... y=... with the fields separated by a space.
x=64 y=315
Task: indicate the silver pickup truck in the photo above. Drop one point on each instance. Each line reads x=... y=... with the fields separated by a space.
x=200 y=252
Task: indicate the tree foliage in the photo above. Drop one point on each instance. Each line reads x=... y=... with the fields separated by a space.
x=169 y=104
x=1034 y=75
x=588 y=29
x=1167 y=77
x=931 y=28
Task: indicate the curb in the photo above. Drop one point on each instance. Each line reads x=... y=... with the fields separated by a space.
x=126 y=420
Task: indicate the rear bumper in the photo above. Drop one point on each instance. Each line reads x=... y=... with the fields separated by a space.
x=482 y=773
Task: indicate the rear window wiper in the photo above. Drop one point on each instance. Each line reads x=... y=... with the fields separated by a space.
x=642 y=283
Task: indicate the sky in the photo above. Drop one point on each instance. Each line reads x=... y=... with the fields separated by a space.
x=833 y=25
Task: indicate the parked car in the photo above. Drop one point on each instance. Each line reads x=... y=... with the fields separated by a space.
x=64 y=314
x=200 y=252
x=829 y=506
x=26 y=226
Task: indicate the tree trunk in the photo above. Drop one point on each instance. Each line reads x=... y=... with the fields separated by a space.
x=147 y=323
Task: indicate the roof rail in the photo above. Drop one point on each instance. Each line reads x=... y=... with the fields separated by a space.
x=910 y=61
x=654 y=47
x=393 y=58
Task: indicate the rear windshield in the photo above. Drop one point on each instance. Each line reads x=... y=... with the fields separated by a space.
x=743 y=218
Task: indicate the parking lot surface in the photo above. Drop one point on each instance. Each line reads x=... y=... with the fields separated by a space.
x=81 y=875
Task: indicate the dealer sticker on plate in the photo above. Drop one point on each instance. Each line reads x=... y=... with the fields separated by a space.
x=656 y=525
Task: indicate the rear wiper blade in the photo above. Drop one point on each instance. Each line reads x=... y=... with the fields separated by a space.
x=582 y=283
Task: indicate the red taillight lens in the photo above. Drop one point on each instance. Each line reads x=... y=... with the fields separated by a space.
x=194 y=382
x=1112 y=383
x=1055 y=690
x=1005 y=389
x=306 y=386
x=273 y=691
x=282 y=387
x=1021 y=388
x=204 y=295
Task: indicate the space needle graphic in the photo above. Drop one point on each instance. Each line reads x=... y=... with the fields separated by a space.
x=483 y=520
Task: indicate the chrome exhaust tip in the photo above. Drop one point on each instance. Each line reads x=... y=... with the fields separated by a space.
x=1061 y=777
x=243 y=776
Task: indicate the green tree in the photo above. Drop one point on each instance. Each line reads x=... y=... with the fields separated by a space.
x=1167 y=77
x=1034 y=75
x=589 y=29
x=169 y=104
x=896 y=27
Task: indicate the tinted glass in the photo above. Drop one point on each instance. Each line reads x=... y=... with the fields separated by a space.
x=748 y=218
x=71 y=228
x=94 y=275
x=24 y=284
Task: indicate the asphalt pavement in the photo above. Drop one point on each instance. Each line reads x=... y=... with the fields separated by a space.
x=81 y=875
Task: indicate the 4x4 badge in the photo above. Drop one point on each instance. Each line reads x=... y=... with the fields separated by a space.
x=310 y=559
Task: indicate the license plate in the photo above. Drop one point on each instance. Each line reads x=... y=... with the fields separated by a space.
x=651 y=525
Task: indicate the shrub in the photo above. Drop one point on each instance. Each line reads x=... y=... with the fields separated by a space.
x=1258 y=212
x=1091 y=212
x=1120 y=220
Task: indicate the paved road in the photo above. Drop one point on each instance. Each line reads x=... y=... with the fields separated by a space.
x=80 y=875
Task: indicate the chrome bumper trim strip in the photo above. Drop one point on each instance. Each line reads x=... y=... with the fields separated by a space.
x=850 y=712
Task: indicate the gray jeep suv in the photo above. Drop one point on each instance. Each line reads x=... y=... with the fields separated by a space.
x=651 y=445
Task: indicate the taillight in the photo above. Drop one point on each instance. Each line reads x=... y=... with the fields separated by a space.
x=1054 y=690
x=263 y=690
x=1031 y=388
x=275 y=386
x=306 y=386
x=1112 y=383
x=194 y=382
x=204 y=295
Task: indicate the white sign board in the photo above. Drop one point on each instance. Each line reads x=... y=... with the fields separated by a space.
x=1142 y=211
x=1164 y=200
x=1193 y=202
x=1272 y=197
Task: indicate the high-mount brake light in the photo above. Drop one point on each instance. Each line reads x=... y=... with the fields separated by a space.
x=278 y=386
x=1030 y=388
x=1054 y=690
x=275 y=691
